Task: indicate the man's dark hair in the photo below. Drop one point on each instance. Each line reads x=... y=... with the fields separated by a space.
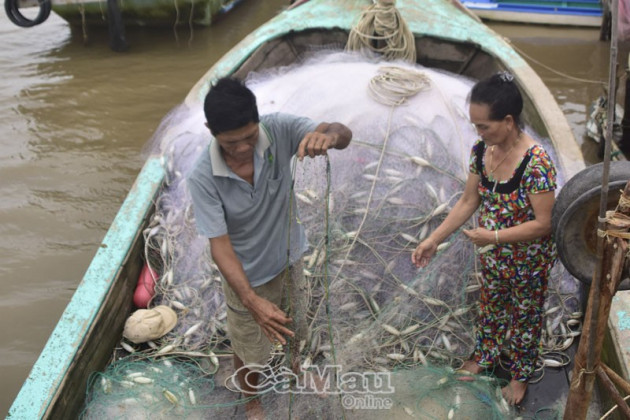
x=229 y=105
x=501 y=94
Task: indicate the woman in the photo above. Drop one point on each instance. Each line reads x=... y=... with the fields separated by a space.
x=511 y=182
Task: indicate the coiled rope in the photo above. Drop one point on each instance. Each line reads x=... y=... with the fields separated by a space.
x=393 y=85
x=382 y=29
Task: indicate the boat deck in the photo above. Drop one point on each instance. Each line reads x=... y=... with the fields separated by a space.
x=546 y=398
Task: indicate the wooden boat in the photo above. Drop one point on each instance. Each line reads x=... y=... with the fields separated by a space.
x=143 y=13
x=543 y=12
x=446 y=38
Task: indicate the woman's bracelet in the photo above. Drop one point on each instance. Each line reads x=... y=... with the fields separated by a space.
x=496 y=237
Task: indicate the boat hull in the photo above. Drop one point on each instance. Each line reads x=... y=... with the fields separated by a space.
x=446 y=38
x=144 y=13
x=552 y=14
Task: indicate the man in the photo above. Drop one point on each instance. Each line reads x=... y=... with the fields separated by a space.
x=242 y=197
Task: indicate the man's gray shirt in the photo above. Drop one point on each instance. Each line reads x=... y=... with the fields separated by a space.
x=255 y=217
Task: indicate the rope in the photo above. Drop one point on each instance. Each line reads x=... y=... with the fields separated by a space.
x=623 y=206
x=190 y=22
x=575 y=385
x=382 y=24
x=393 y=85
x=326 y=276
x=624 y=203
x=291 y=342
x=176 y=20
x=557 y=72
x=616 y=234
x=609 y=412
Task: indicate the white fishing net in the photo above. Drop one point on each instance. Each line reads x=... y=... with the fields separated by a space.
x=364 y=209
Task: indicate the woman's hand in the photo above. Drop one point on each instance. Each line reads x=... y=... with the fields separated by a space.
x=423 y=253
x=480 y=236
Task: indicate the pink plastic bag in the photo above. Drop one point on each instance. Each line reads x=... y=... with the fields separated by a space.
x=145 y=288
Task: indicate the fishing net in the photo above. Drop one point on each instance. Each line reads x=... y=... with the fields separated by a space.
x=178 y=388
x=172 y=387
x=364 y=209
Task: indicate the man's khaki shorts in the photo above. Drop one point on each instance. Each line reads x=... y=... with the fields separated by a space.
x=289 y=292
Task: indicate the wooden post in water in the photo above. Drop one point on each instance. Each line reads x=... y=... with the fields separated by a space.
x=587 y=365
x=117 y=41
x=604 y=30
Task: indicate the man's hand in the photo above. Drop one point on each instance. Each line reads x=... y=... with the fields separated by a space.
x=316 y=144
x=271 y=319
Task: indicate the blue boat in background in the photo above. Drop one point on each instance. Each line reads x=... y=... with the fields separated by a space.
x=546 y=12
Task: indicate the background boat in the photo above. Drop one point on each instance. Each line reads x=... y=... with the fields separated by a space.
x=548 y=12
x=90 y=327
x=144 y=13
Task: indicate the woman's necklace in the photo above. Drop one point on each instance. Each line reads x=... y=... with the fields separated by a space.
x=491 y=169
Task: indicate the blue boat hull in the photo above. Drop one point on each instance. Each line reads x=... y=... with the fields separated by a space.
x=585 y=13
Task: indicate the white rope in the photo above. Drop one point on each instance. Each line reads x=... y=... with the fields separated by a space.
x=381 y=23
x=609 y=412
x=393 y=85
